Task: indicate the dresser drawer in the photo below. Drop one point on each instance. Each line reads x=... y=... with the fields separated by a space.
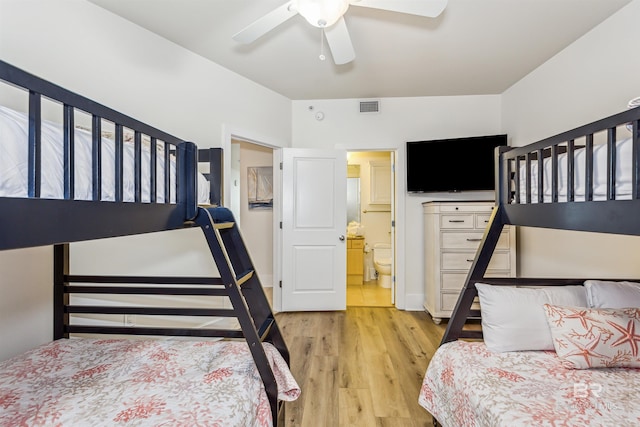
x=471 y=240
x=453 y=281
x=482 y=220
x=457 y=260
x=453 y=207
x=457 y=221
x=463 y=260
x=453 y=240
x=448 y=302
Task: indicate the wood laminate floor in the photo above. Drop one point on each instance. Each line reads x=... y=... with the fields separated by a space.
x=359 y=367
x=368 y=294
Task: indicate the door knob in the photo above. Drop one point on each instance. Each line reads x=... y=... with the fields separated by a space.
x=341 y=237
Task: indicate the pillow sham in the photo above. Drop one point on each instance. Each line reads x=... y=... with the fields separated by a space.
x=612 y=294
x=595 y=337
x=513 y=319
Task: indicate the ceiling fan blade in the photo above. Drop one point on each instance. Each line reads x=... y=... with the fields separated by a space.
x=428 y=8
x=266 y=23
x=339 y=42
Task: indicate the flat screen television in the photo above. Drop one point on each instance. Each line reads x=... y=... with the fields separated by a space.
x=452 y=165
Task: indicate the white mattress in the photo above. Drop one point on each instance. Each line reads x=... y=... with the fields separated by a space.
x=14 y=164
x=623 y=174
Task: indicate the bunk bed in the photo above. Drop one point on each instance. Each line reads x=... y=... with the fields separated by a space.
x=138 y=180
x=549 y=352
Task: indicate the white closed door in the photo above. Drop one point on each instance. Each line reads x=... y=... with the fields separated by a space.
x=314 y=212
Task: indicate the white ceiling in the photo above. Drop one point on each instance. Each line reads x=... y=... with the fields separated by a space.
x=474 y=47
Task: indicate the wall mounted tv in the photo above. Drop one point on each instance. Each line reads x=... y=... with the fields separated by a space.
x=452 y=165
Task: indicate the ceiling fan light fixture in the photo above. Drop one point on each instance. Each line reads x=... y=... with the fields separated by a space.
x=328 y=16
x=322 y=13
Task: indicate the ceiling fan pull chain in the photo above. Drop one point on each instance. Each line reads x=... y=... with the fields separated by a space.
x=322 y=55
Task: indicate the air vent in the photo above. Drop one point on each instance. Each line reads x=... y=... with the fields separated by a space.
x=370 y=106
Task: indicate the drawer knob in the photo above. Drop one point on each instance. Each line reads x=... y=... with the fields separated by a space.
x=473 y=240
x=469 y=260
x=456 y=220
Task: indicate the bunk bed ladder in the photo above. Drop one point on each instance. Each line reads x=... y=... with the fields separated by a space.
x=463 y=309
x=245 y=292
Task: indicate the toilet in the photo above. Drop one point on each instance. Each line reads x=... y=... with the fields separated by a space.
x=382 y=263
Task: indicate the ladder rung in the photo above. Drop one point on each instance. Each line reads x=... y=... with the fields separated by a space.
x=243 y=278
x=124 y=290
x=265 y=327
x=471 y=334
x=147 y=280
x=204 y=332
x=150 y=311
x=223 y=225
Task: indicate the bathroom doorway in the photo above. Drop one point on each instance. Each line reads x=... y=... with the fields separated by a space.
x=370 y=228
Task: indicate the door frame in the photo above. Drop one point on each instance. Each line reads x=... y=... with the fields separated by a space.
x=397 y=233
x=230 y=132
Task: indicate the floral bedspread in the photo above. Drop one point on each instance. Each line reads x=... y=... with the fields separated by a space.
x=467 y=385
x=88 y=382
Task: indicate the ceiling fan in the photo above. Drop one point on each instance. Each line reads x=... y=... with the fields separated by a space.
x=328 y=15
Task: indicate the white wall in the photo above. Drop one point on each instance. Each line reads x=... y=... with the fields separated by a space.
x=399 y=120
x=594 y=77
x=86 y=49
x=95 y=53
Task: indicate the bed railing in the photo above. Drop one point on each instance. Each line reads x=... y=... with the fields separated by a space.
x=167 y=209
x=565 y=143
x=537 y=182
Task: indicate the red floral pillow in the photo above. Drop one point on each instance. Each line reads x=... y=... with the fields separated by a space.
x=595 y=338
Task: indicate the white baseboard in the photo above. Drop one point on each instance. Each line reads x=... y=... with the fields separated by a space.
x=413 y=302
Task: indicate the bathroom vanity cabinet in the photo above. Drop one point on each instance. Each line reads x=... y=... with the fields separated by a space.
x=355 y=260
x=452 y=233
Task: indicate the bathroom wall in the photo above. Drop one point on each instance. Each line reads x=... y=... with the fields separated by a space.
x=376 y=219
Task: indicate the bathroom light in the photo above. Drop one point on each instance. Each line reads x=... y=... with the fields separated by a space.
x=322 y=13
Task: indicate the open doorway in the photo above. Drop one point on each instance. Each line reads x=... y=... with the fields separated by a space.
x=370 y=229
x=251 y=201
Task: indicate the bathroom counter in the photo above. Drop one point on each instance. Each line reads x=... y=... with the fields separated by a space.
x=355 y=260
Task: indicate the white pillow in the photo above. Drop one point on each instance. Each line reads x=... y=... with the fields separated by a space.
x=514 y=319
x=610 y=294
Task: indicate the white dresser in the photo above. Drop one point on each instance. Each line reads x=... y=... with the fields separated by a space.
x=452 y=234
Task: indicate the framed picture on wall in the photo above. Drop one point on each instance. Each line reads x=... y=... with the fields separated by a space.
x=260 y=187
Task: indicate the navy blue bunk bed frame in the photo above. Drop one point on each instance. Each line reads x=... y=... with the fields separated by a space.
x=35 y=221
x=514 y=208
